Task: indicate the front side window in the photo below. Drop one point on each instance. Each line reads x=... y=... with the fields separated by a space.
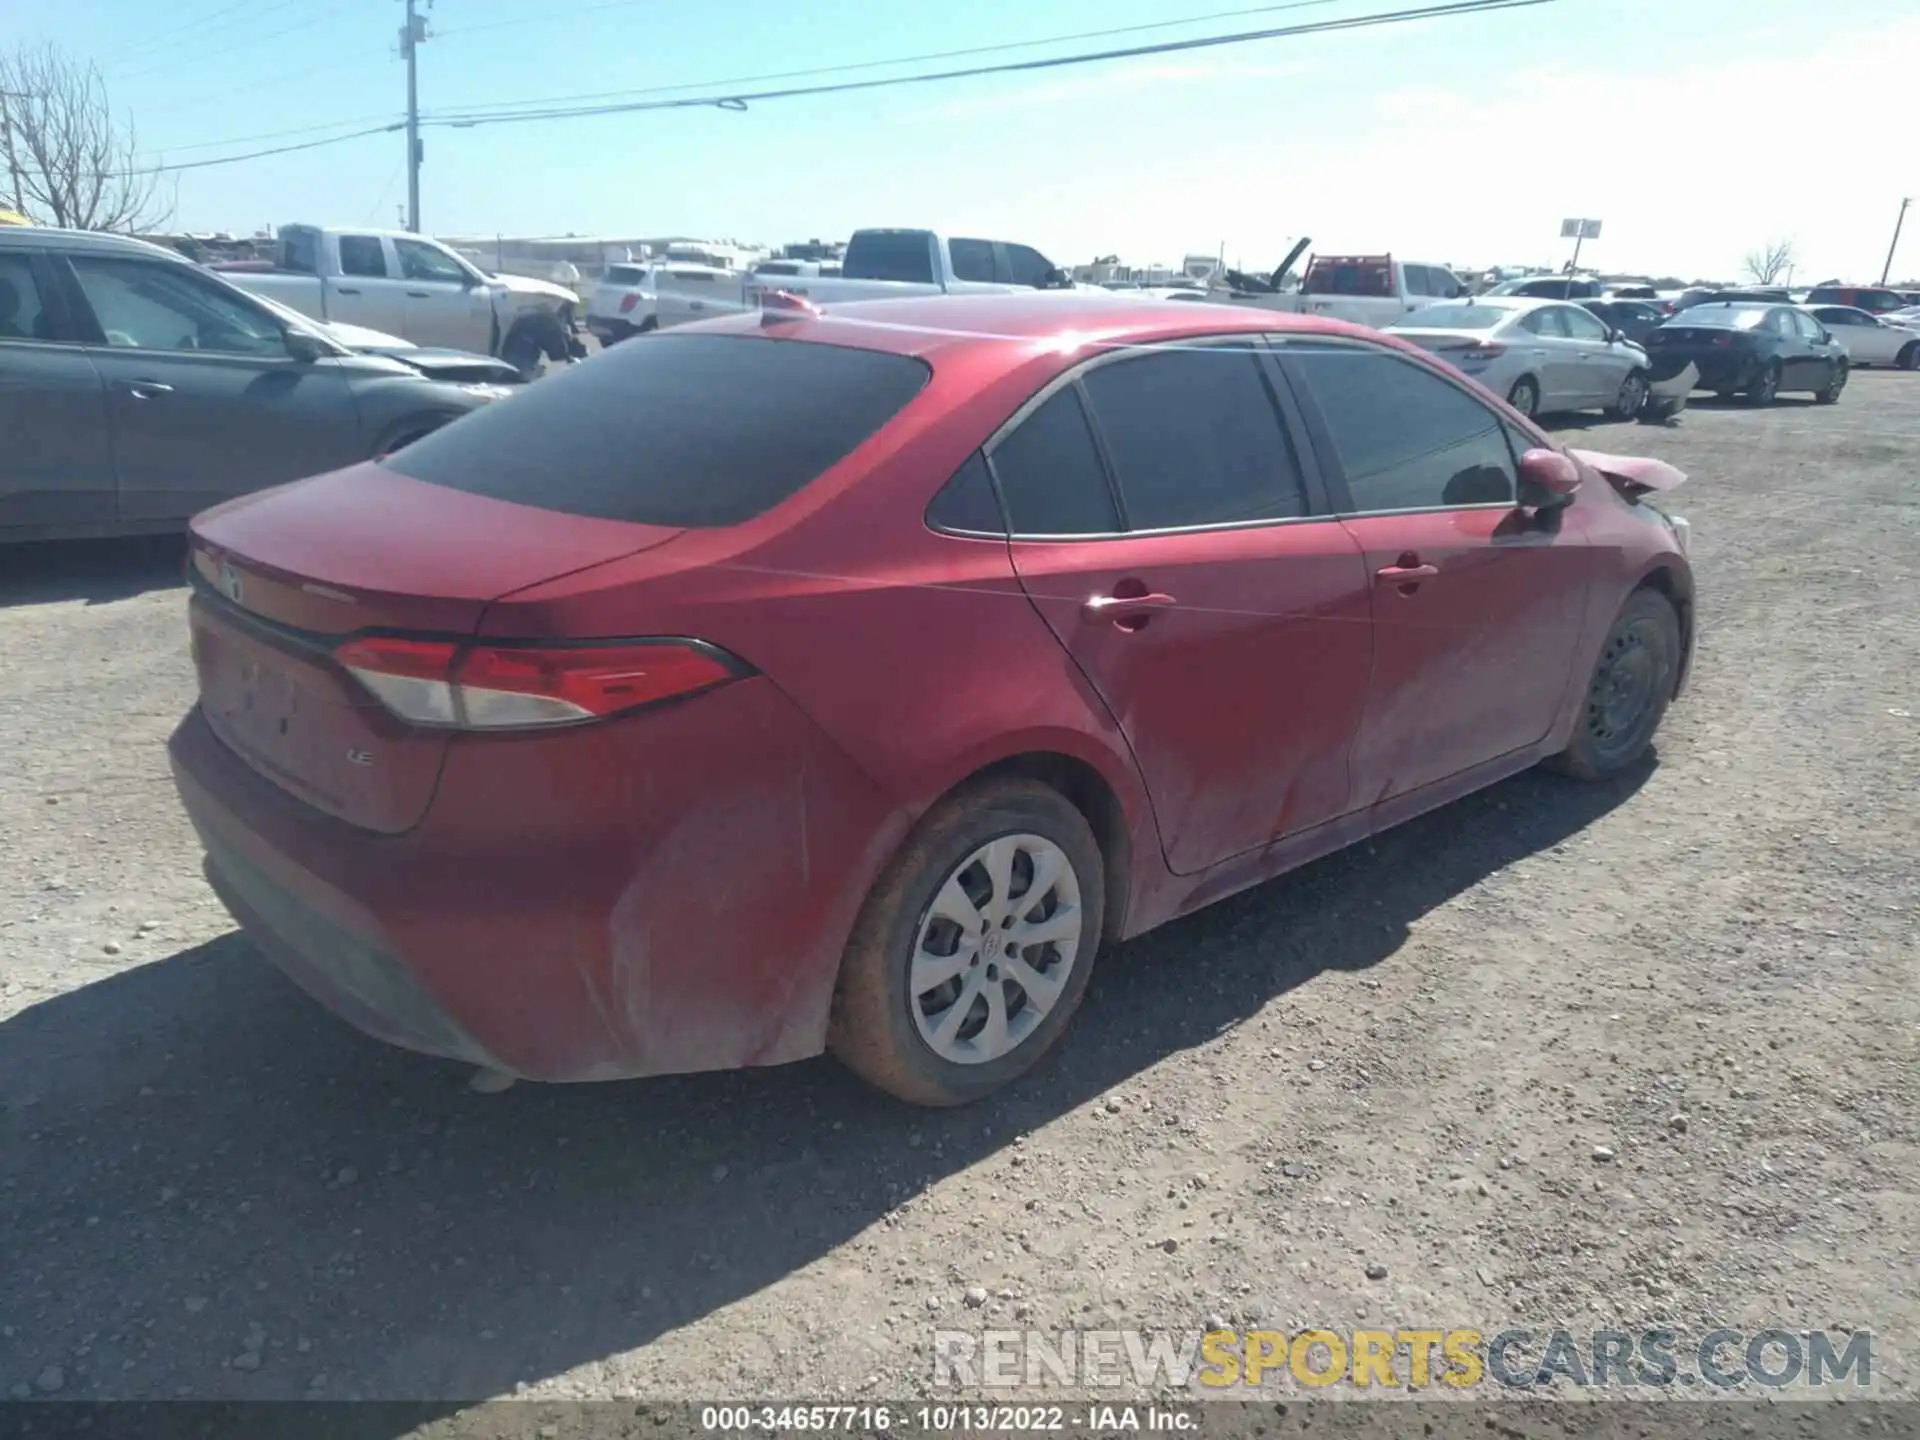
x=143 y=305
x=362 y=256
x=1582 y=326
x=1029 y=266
x=420 y=261
x=1051 y=478
x=21 y=317
x=1405 y=438
x=1195 y=439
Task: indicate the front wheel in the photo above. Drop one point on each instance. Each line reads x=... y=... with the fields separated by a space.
x=1835 y=385
x=1909 y=358
x=973 y=951
x=1524 y=397
x=1632 y=398
x=1629 y=691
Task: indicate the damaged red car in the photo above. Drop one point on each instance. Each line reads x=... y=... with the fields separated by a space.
x=847 y=680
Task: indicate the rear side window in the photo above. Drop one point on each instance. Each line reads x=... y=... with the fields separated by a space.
x=1195 y=439
x=1406 y=439
x=625 y=275
x=1050 y=474
x=21 y=317
x=635 y=433
x=966 y=503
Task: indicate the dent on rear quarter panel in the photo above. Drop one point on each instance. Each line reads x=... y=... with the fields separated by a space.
x=672 y=895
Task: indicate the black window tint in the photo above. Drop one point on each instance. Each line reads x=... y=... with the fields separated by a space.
x=635 y=434
x=972 y=260
x=888 y=255
x=1029 y=266
x=361 y=255
x=1406 y=439
x=21 y=317
x=301 y=252
x=625 y=274
x=967 y=503
x=1194 y=439
x=1050 y=475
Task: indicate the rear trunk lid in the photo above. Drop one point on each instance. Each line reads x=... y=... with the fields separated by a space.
x=284 y=576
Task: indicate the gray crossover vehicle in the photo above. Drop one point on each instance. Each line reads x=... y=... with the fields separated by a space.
x=137 y=389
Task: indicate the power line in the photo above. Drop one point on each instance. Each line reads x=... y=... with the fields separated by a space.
x=163 y=150
x=511 y=105
x=740 y=101
x=185 y=34
x=242 y=42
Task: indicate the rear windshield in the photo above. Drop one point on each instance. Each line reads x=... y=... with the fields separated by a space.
x=1348 y=277
x=679 y=430
x=1453 y=317
x=888 y=255
x=626 y=274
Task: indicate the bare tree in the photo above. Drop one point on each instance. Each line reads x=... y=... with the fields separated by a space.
x=1770 y=263
x=70 y=160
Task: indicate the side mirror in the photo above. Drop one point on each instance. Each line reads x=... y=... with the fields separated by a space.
x=1616 y=335
x=303 y=346
x=1056 y=279
x=1548 y=479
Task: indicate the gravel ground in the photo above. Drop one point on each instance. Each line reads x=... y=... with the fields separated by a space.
x=1622 y=1055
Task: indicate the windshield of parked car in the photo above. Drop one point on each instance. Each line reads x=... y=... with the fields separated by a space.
x=626 y=275
x=1454 y=317
x=1720 y=316
x=635 y=434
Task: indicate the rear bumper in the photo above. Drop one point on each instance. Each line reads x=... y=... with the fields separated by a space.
x=662 y=894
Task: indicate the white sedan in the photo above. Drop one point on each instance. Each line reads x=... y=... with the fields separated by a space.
x=1540 y=356
x=1872 y=339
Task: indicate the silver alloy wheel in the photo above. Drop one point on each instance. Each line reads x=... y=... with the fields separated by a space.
x=1632 y=397
x=1524 y=387
x=994 y=949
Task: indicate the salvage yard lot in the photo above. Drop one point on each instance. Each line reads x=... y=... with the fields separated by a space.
x=1602 y=1057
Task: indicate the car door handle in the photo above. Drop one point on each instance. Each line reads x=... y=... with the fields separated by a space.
x=418 y=295
x=147 y=389
x=1405 y=574
x=344 y=290
x=1126 y=611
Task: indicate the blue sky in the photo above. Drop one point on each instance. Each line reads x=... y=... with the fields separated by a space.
x=1695 y=130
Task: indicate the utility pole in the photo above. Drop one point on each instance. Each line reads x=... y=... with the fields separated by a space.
x=1901 y=220
x=411 y=35
x=13 y=157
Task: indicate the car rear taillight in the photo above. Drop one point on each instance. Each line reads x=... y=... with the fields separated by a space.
x=515 y=687
x=627 y=302
x=1485 y=350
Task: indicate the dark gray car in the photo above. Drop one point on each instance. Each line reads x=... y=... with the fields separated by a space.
x=137 y=389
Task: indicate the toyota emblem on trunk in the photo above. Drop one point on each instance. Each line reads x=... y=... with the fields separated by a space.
x=230 y=582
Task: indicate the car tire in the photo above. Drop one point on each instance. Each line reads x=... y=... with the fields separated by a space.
x=898 y=1035
x=1834 y=386
x=1525 y=396
x=1627 y=696
x=1766 y=386
x=524 y=352
x=1632 y=397
x=1909 y=358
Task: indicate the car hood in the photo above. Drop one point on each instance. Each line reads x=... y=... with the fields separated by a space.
x=357 y=337
x=541 y=289
x=1640 y=472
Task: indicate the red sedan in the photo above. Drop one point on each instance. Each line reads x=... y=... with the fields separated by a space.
x=847 y=680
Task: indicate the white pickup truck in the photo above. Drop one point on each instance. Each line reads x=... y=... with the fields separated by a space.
x=1373 y=290
x=889 y=264
x=414 y=287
